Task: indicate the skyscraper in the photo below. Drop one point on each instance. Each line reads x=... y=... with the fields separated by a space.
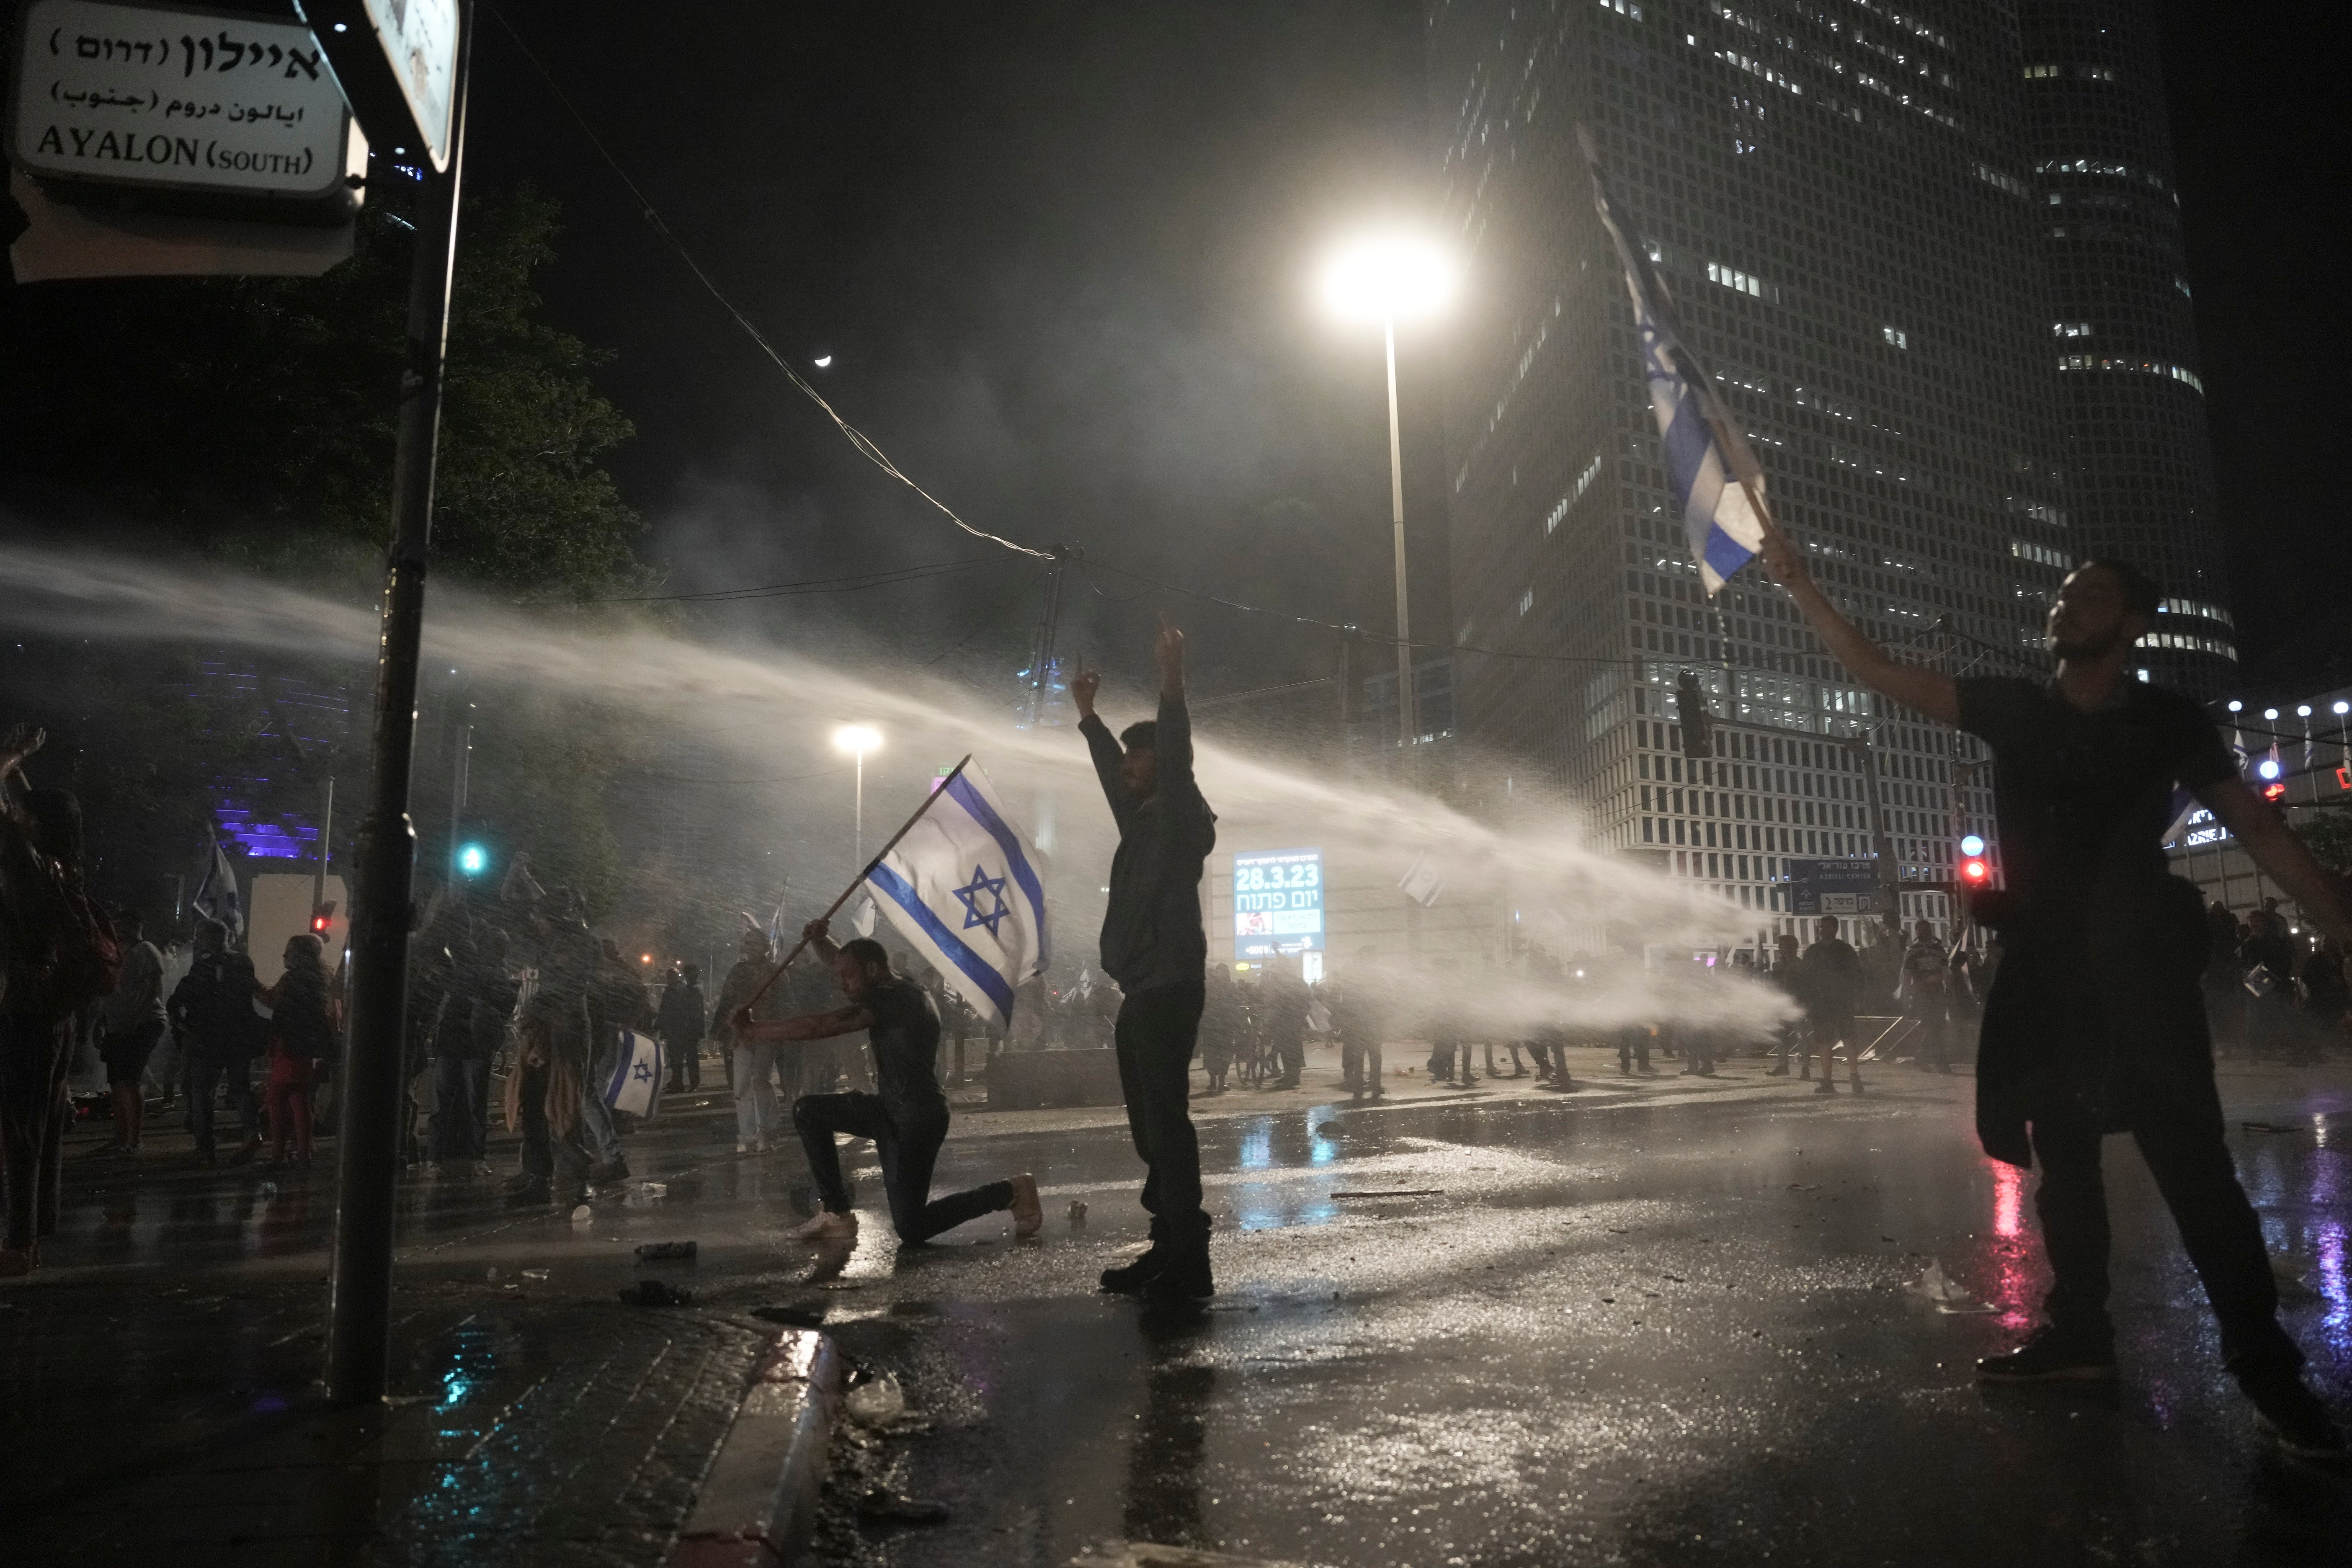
x=2139 y=466
x=1849 y=200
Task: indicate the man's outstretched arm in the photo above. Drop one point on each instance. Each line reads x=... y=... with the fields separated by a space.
x=1100 y=743
x=1174 y=726
x=1934 y=694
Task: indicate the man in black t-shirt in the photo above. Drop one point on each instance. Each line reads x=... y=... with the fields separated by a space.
x=907 y=1116
x=2095 y=1021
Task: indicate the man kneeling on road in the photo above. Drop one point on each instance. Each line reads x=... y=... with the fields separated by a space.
x=908 y=1119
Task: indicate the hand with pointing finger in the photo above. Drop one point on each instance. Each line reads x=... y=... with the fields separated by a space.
x=1082 y=687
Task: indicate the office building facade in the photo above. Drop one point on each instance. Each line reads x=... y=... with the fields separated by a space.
x=1844 y=197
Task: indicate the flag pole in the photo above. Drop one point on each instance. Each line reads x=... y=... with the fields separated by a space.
x=859 y=881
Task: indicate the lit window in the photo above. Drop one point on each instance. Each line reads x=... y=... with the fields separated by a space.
x=1896 y=336
x=2070 y=329
x=1527 y=600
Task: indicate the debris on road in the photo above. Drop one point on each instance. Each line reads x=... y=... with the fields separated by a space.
x=2293 y=1277
x=882 y=1503
x=792 y=1317
x=667 y=1252
x=657 y=1293
x=1938 y=1287
x=1077 y=1213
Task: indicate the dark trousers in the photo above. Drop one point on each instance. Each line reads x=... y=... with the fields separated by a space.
x=561 y=1160
x=1154 y=1036
x=1632 y=1048
x=34 y=1053
x=2180 y=1135
x=461 y=1106
x=208 y=1070
x=1360 y=1068
x=686 y=1063
x=906 y=1140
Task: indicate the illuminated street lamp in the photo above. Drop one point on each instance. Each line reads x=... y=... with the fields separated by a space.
x=1383 y=277
x=859 y=739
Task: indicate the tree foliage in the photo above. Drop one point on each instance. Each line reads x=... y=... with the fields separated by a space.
x=258 y=416
x=255 y=419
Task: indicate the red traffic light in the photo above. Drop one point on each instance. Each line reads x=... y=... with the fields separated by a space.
x=1973 y=870
x=2275 y=790
x=322 y=918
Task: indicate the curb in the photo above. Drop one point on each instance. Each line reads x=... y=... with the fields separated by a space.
x=759 y=1498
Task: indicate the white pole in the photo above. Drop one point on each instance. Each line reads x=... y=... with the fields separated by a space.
x=1405 y=714
x=858 y=834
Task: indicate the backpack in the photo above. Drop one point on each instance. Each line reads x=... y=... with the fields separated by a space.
x=81 y=957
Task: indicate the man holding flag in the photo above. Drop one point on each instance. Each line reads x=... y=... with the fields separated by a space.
x=2094 y=1024
x=907 y=1118
x=1154 y=945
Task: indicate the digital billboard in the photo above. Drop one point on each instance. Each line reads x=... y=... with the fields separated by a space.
x=1277 y=903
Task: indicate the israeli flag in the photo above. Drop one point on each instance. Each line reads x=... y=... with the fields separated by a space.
x=1706 y=458
x=635 y=1085
x=215 y=896
x=962 y=888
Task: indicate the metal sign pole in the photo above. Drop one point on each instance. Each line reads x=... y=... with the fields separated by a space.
x=359 y=1313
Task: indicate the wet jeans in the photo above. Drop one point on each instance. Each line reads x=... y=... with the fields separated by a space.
x=1154 y=1036
x=560 y=1161
x=2180 y=1135
x=906 y=1140
x=755 y=1094
x=207 y=1071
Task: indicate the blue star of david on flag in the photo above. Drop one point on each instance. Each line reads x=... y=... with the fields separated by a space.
x=962 y=866
x=982 y=886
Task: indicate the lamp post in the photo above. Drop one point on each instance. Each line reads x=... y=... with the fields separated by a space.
x=1383 y=277
x=857 y=739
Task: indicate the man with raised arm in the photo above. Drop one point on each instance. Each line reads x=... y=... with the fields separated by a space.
x=907 y=1118
x=2095 y=1021
x=1154 y=946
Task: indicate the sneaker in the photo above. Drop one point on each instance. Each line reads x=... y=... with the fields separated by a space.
x=529 y=1192
x=1028 y=1214
x=1827 y=1086
x=1129 y=1279
x=2295 y=1417
x=743 y=1148
x=2049 y=1356
x=827 y=1226
x=608 y=1176
x=1184 y=1278
x=524 y=1182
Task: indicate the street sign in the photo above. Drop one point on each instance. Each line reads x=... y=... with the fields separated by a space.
x=166 y=109
x=397 y=61
x=1277 y=903
x=1834 y=888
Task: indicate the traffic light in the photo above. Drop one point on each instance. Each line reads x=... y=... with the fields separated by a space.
x=1975 y=870
x=472 y=854
x=1690 y=709
x=322 y=918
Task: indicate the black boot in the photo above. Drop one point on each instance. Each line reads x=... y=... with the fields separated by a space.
x=1185 y=1276
x=1129 y=1279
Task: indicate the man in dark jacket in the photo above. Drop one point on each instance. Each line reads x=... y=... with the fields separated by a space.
x=1829 y=980
x=1154 y=946
x=679 y=1021
x=2095 y=1023
x=212 y=1014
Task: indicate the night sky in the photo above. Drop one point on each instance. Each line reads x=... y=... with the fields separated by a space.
x=1062 y=254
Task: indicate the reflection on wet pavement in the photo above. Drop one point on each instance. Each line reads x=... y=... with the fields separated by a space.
x=1630 y=1330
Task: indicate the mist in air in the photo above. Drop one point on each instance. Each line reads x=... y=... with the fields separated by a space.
x=769 y=711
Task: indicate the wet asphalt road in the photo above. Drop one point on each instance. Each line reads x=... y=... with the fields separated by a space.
x=1666 y=1327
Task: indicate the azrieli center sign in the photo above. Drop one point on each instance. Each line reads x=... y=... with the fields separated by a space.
x=166 y=109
